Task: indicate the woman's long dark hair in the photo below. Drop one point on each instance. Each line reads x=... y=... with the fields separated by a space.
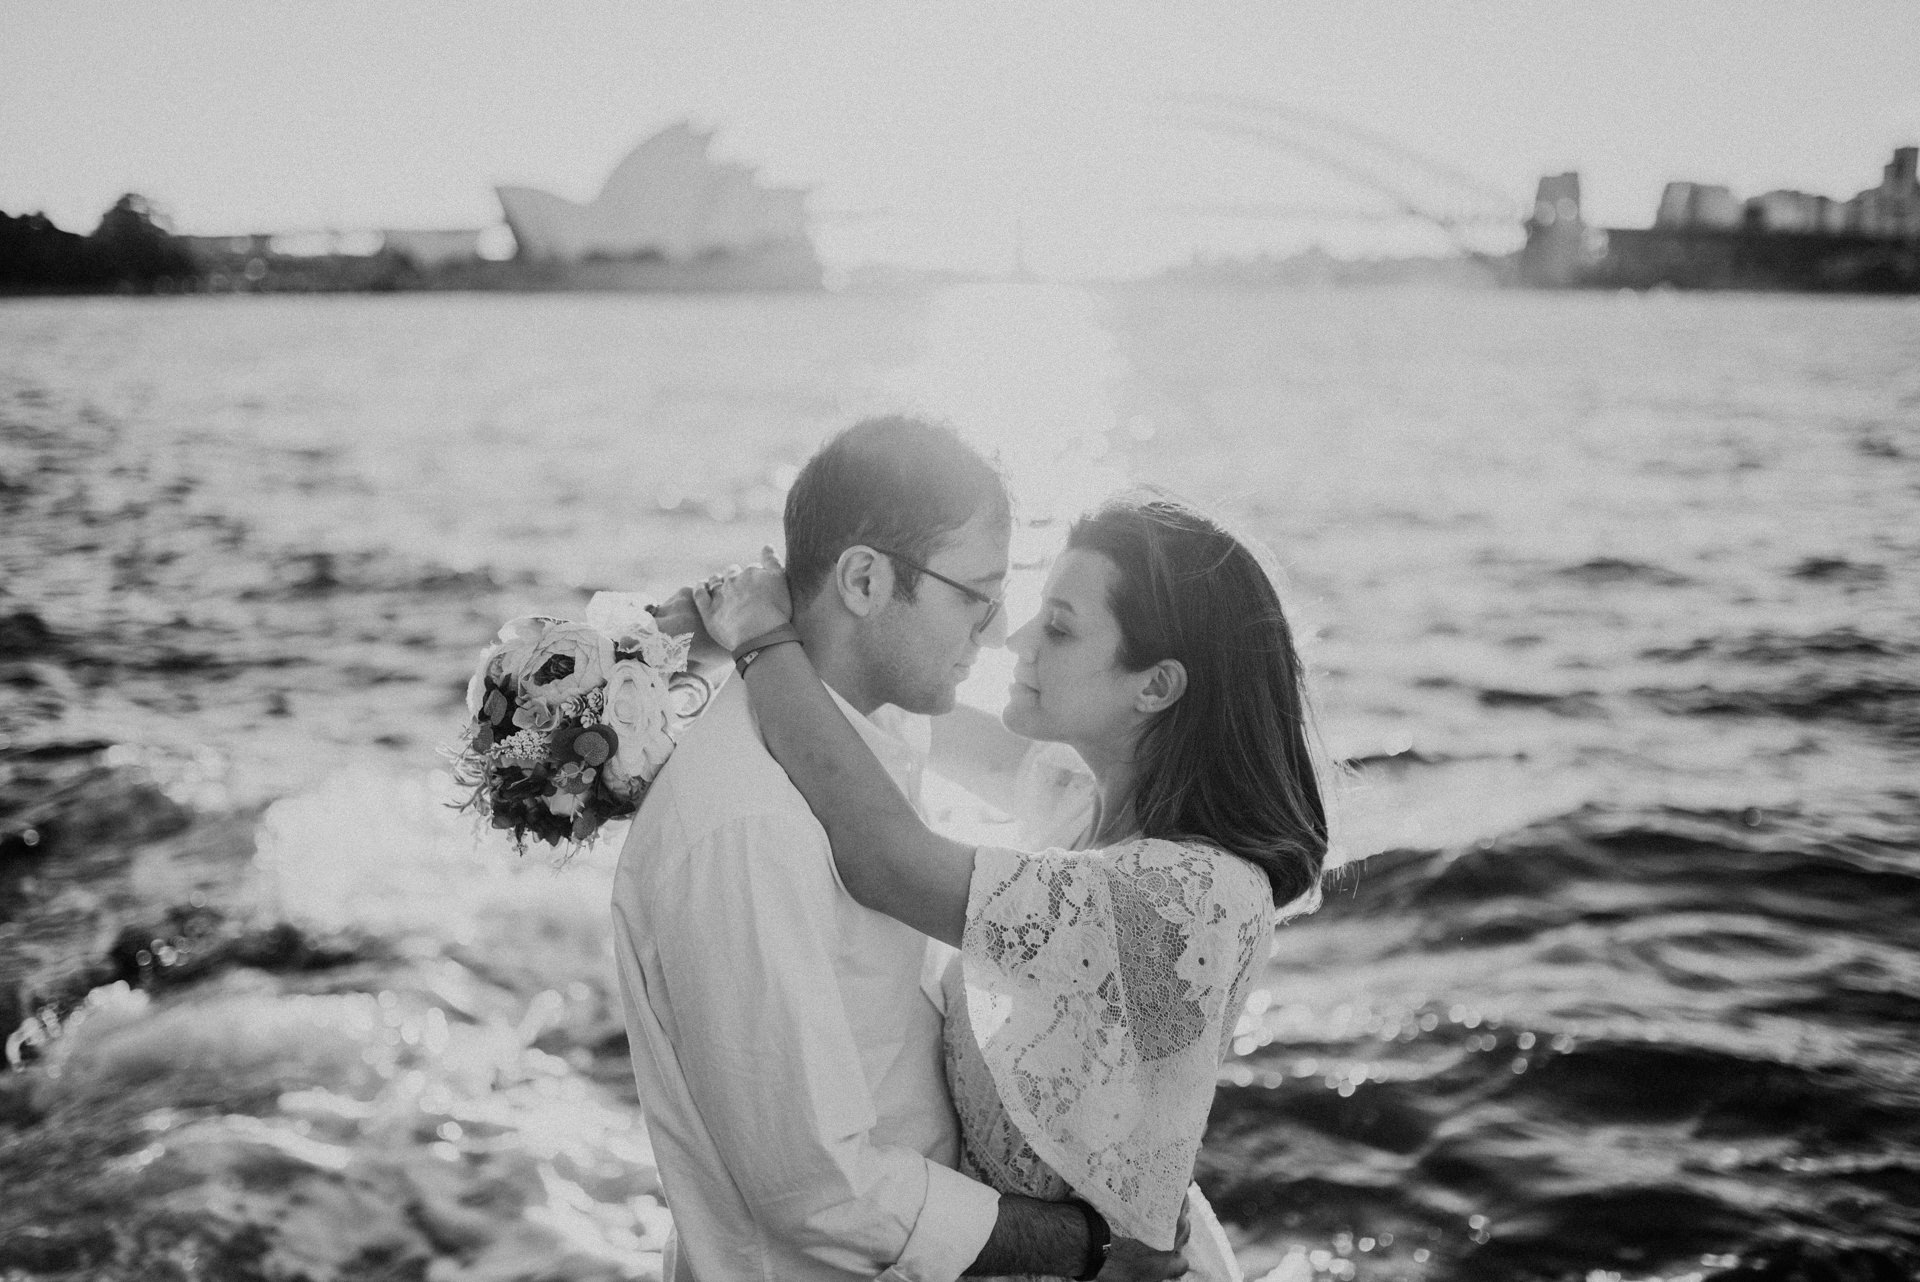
x=1229 y=762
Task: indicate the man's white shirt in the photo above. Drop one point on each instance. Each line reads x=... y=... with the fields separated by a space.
x=787 y=1060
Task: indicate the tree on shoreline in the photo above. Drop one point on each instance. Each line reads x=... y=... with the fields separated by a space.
x=134 y=243
x=131 y=250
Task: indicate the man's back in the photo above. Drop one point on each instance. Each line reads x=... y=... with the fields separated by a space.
x=786 y=1058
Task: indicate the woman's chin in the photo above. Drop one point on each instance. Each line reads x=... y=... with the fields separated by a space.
x=1019 y=714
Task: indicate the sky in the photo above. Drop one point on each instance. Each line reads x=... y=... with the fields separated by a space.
x=1097 y=139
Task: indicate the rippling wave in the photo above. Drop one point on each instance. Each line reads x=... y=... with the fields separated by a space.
x=1611 y=606
x=1621 y=1039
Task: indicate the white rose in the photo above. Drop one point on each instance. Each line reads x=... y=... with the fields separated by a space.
x=661 y=651
x=624 y=617
x=640 y=710
x=506 y=656
x=516 y=641
x=477 y=684
x=589 y=649
x=620 y=614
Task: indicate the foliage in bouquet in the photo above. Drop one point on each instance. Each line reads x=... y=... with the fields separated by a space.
x=571 y=721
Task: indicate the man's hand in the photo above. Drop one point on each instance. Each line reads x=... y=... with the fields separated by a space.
x=1131 y=1261
x=744 y=602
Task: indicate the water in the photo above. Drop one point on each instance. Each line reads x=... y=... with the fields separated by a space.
x=1611 y=602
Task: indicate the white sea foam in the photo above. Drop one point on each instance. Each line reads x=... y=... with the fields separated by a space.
x=384 y=852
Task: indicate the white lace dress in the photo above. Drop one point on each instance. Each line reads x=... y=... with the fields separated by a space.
x=1088 y=1010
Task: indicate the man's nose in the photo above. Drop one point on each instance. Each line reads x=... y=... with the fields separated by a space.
x=994 y=634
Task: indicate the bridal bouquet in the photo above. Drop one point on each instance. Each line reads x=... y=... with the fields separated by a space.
x=571 y=721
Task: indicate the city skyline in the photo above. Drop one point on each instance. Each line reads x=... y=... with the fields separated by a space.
x=1100 y=140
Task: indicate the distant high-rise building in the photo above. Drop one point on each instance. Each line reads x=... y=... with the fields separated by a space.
x=1685 y=204
x=1892 y=208
x=1556 y=247
x=1676 y=206
x=1704 y=237
x=1785 y=211
x=1715 y=206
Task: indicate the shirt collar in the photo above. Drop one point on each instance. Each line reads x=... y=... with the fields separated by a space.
x=898 y=738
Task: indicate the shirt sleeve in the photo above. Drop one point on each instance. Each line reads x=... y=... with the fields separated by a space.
x=767 y=1051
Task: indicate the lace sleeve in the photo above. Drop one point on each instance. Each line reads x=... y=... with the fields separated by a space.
x=1102 y=988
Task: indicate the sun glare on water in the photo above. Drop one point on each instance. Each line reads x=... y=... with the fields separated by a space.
x=1029 y=373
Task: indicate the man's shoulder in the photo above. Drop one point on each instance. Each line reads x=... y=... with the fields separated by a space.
x=722 y=742
x=719 y=776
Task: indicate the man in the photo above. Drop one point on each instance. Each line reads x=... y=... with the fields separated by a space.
x=787 y=1060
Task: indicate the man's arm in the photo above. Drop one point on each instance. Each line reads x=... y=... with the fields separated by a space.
x=1050 y=1238
x=1030 y=1236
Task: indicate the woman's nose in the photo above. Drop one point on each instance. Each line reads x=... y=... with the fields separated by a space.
x=1021 y=642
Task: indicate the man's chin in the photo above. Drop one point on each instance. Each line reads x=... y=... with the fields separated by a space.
x=929 y=703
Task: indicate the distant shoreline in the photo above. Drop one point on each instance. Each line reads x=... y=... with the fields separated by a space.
x=377 y=274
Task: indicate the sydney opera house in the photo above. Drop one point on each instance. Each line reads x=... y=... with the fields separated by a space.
x=669 y=216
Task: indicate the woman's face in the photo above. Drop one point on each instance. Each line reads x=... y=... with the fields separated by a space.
x=1068 y=684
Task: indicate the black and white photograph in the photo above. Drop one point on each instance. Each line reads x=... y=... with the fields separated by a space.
x=861 y=641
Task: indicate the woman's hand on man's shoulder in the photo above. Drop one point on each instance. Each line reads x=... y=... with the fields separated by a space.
x=745 y=601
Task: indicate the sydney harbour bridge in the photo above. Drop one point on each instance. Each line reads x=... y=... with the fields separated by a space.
x=1346 y=174
x=1400 y=183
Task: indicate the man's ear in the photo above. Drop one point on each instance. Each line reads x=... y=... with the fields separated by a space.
x=1166 y=682
x=864 y=580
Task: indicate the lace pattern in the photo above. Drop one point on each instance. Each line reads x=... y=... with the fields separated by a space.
x=992 y=1149
x=1101 y=990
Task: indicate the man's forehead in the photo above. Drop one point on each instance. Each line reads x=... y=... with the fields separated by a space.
x=979 y=547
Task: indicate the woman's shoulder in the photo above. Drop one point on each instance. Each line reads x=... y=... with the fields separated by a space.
x=1195 y=852
x=1206 y=872
x=1206 y=880
x=1053 y=794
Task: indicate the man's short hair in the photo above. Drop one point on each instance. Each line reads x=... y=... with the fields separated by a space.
x=892 y=482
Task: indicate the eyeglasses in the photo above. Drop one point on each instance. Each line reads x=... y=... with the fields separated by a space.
x=975 y=595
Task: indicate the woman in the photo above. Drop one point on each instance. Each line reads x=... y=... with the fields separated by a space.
x=1096 y=988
